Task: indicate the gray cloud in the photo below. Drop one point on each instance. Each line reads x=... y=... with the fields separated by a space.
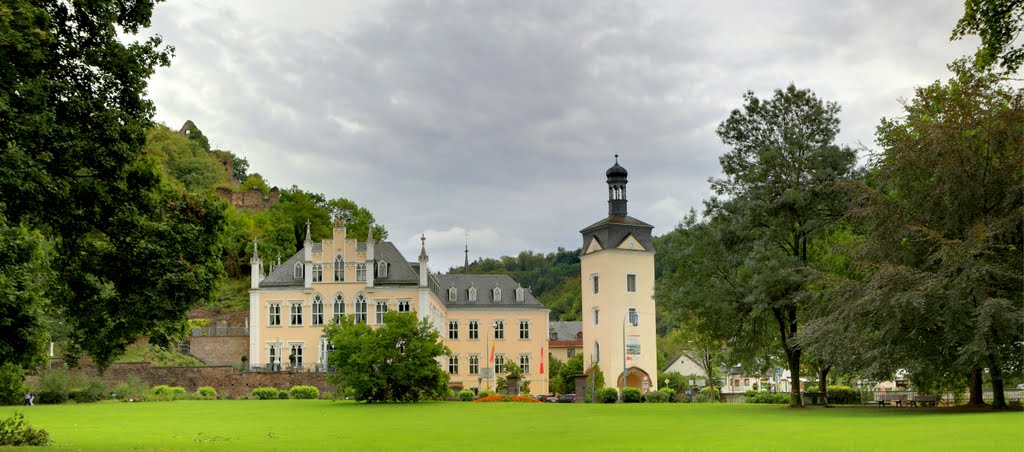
x=500 y=118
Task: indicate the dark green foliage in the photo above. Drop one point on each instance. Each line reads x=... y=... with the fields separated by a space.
x=843 y=395
x=183 y=160
x=12 y=386
x=394 y=362
x=282 y=394
x=553 y=278
x=55 y=386
x=631 y=395
x=14 y=431
x=999 y=24
x=263 y=393
x=658 y=397
x=304 y=392
x=193 y=134
x=563 y=375
x=166 y=393
x=205 y=393
x=466 y=395
x=767 y=397
x=132 y=388
x=671 y=393
x=676 y=380
x=607 y=395
x=23 y=272
x=707 y=390
x=93 y=391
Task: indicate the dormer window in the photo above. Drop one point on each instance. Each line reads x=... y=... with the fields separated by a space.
x=472 y=293
x=298 y=270
x=497 y=294
x=382 y=269
x=520 y=296
x=453 y=293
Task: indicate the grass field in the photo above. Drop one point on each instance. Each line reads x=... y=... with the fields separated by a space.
x=317 y=424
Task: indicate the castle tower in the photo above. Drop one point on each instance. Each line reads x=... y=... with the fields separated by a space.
x=617 y=272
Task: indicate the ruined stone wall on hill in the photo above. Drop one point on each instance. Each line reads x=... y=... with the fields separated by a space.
x=251 y=200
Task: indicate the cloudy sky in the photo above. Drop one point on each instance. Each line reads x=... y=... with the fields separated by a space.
x=499 y=118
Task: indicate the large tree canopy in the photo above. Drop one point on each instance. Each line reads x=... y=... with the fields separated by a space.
x=130 y=256
x=999 y=24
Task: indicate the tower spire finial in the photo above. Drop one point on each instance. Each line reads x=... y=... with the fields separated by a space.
x=423 y=247
x=465 y=267
x=308 y=239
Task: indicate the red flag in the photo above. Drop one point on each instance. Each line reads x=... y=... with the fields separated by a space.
x=492 y=354
x=542 y=360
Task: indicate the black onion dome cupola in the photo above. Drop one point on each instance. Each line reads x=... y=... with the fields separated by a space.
x=616 y=189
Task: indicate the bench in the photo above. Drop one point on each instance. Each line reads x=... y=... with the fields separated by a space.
x=924 y=400
x=883 y=399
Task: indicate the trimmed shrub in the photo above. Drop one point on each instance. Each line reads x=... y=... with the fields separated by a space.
x=657 y=397
x=700 y=398
x=304 y=392
x=15 y=432
x=631 y=395
x=205 y=393
x=166 y=393
x=466 y=395
x=671 y=393
x=718 y=392
x=485 y=393
x=263 y=393
x=607 y=395
x=768 y=397
x=131 y=388
x=93 y=391
x=282 y=394
x=12 y=388
x=843 y=395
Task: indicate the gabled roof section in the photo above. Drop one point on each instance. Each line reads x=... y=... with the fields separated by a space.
x=284 y=274
x=399 y=270
x=562 y=330
x=484 y=285
x=612 y=230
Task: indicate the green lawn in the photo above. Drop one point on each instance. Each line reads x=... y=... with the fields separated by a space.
x=316 y=424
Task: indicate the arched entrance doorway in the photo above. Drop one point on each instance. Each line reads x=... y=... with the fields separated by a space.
x=636 y=378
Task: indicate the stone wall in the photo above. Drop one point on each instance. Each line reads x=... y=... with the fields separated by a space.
x=219 y=350
x=225 y=379
x=252 y=200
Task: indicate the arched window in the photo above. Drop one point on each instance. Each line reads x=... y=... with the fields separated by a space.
x=298 y=270
x=382 y=269
x=497 y=294
x=339 y=269
x=519 y=294
x=360 y=308
x=472 y=294
x=318 y=273
x=453 y=293
x=597 y=352
x=339 y=307
x=317 y=310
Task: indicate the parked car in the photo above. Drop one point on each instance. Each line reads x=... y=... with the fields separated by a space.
x=567 y=398
x=1020 y=387
x=551 y=398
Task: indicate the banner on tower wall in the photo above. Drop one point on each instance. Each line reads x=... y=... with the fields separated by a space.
x=633 y=345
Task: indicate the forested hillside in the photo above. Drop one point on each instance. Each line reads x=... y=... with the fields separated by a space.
x=553 y=278
x=187 y=162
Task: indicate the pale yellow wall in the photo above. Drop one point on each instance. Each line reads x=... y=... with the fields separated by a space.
x=612 y=266
x=562 y=353
x=511 y=346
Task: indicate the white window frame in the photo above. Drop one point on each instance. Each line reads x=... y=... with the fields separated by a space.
x=380 y=307
x=474 y=364
x=292 y=348
x=496 y=294
x=361 y=272
x=316 y=311
x=298 y=271
x=520 y=294
x=339 y=268
x=274 y=314
x=363 y=315
x=453 y=293
x=597 y=351
x=382 y=269
x=453 y=365
x=472 y=293
x=633 y=316
x=524 y=363
x=473 y=330
x=404 y=306
x=339 y=302
x=295 y=312
x=499 y=363
x=595 y=281
x=453 y=330
x=631 y=280
x=318 y=273
x=499 y=329
x=524 y=329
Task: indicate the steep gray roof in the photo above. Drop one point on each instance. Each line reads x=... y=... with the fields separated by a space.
x=562 y=330
x=399 y=270
x=484 y=295
x=612 y=230
x=284 y=274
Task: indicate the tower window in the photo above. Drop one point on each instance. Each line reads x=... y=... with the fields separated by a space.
x=633 y=319
x=318 y=273
x=631 y=283
x=597 y=315
x=596 y=282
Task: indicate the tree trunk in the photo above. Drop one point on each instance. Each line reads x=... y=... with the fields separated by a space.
x=794 y=374
x=998 y=398
x=822 y=381
x=976 y=389
x=711 y=380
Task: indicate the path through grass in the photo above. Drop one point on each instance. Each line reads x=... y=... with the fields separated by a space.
x=324 y=425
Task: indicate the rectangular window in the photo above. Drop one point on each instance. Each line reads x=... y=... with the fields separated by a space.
x=318 y=273
x=499 y=364
x=596 y=281
x=570 y=353
x=524 y=363
x=499 y=329
x=474 y=364
x=631 y=283
x=382 y=307
x=453 y=329
x=524 y=329
x=404 y=306
x=274 y=314
x=296 y=312
x=474 y=329
x=633 y=320
x=360 y=272
x=317 y=312
x=453 y=365
x=272 y=357
x=597 y=315
x=297 y=354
